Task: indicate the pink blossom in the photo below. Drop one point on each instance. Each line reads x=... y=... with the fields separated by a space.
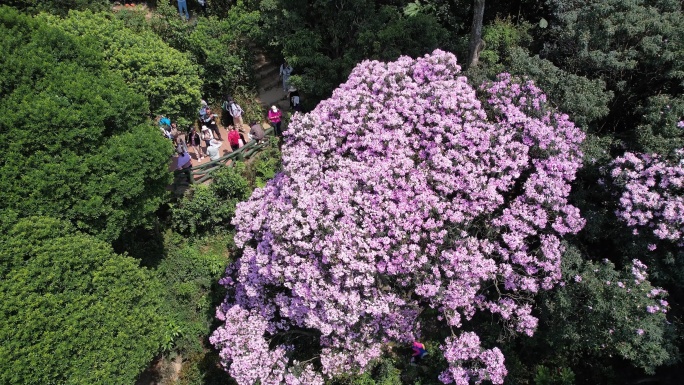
x=650 y=195
x=402 y=190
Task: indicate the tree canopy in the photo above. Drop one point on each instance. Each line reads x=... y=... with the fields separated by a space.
x=79 y=143
x=167 y=77
x=72 y=311
x=402 y=191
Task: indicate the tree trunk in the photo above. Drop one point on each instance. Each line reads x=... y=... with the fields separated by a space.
x=476 y=42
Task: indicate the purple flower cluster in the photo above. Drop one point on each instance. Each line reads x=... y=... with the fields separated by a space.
x=482 y=364
x=652 y=195
x=402 y=191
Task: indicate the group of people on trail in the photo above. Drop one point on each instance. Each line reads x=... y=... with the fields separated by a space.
x=209 y=130
x=207 y=141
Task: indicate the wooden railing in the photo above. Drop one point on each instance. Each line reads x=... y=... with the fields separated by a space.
x=205 y=171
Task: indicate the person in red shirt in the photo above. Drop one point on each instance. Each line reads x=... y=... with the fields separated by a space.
x=234 y=138
x=274 y=115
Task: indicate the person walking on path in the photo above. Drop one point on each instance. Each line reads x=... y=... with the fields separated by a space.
x=179 y=139
x=194 y=140
x=274 y=116
x=210 y=121
x=293 y=94
x=285 y=72
x=203 y=4
x=183 y=9
x=236 y=112
x=226 y=118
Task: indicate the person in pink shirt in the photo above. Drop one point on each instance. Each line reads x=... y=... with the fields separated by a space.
x=274 y=115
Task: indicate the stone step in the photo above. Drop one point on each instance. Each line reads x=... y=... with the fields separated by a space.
x=266 y=72
x=266 y=86
x=260 y=66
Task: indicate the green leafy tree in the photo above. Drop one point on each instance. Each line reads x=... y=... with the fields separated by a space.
x=78 y=144
x=218 y=45
x=323 y=40
x=635 y=46
x=607 y=316
x=585 y=100
x=507 y=49
x=169 y=79
x=71 y=310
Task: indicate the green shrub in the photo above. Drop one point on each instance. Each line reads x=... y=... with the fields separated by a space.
x=264 y=165
x=228 y=183
x=209 y=208
x=169 y=79
x=190 y=274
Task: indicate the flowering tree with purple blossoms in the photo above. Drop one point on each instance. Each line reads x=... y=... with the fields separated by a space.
x=652 y=195
x=401 y=192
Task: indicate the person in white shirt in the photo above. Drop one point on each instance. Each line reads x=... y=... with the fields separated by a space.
x=214 y=149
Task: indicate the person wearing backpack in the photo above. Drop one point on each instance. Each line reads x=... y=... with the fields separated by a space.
x=235 y=111
x=207 y=137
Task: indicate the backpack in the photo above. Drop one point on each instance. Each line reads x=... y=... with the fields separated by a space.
x=235 y=109
x=225 y=105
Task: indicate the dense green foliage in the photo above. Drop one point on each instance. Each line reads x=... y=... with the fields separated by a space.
x=190 y=273
x=78 y=142
x=60 y=7
x=593 y=323
x=168 y=78
x=217 y=46
x=637 y=50
x=72 y=311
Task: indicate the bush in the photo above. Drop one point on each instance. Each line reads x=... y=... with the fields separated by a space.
x=209 y=208
x=264 y=165
x=61 y=7
x=190 y=272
